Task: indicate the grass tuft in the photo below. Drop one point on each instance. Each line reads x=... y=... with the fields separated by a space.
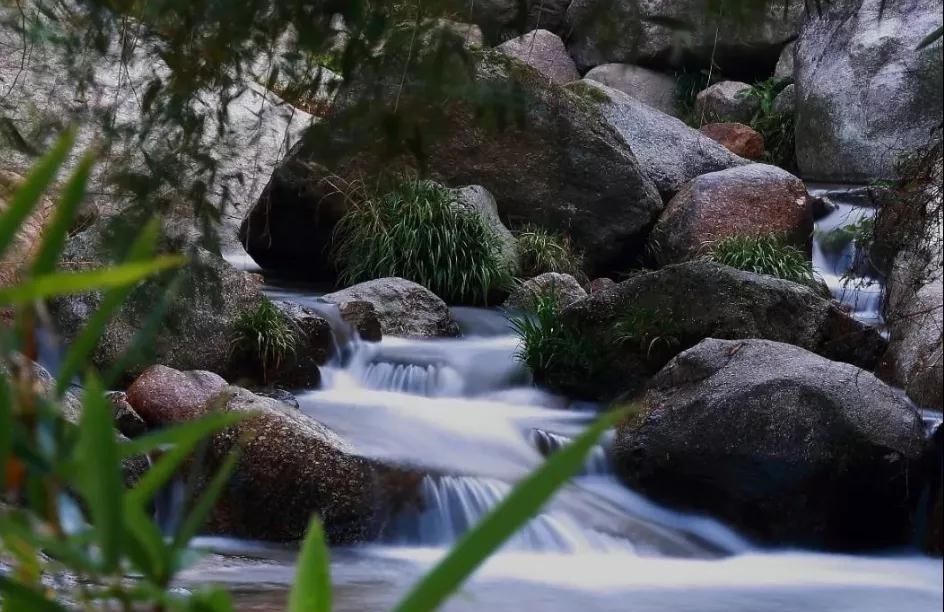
x=418 y=232
x=265 y=336
x=541 y=251
x=767 y=254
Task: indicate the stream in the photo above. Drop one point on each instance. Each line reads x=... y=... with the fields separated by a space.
x=463 y=411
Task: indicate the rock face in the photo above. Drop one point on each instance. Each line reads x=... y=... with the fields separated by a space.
x=865 y=94
x=785 y=102
x=737 y=138
x=563 y=287
x=478 y=199
x=210 y=299
x=648 y=86
x=785 y=445
x=727 y=101
x=673 y=33
x=751 y=200
x=660 y=313
x=403 y=307
x=163 y=395
x=670 y=152
x=559 y=168
x=545 y=52
x=785 y=63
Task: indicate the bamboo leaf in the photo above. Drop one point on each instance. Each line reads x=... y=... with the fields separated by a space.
x=26 y=198
x=522 y=504
x=67 y=283
x=55 y=234
x=312 y=590
x=17 y=597
x=186 y=434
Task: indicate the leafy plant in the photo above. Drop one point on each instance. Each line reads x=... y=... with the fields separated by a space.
x=540 y=251
x=419 y=232
x=265 y=336
x=768 y=254
x=548 y=344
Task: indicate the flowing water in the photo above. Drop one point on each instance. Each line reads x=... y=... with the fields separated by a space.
x=463 y=411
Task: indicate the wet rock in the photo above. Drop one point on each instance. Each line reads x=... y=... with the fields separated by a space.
x=127 y=421
x=635 y=327
x=163 y=395
x=737 y=138
x=653 y=88
x=787 y=446
x=544 y=51
x=756 y=199
x=561 y=168
x=362 y=315
x=727 y=101
x=669 y=152
x=865 y=93
x=564 y=288
x=403 y=307
x=280 y=395
x=648 y=32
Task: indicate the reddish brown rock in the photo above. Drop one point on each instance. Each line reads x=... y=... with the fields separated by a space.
x=738 y=138
x=164 y=396
x=754 y=200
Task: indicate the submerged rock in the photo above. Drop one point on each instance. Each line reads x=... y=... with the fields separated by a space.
x=564 y=289
x=865 y=93
x=403 y=307
x=738 y=138
x=783 y=444
x=655 y=89
x=635 y=327
x=752 y=200
x=545 y=52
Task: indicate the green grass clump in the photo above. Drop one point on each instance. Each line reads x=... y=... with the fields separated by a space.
x=265 y=336
x=418 y=232
x=541 y=251
x=651 y=332
x=768 y=254
x=549 y=345
x=776 y=128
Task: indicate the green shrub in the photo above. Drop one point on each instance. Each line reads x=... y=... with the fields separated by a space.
x=548 y=344
x=265 y=336
x=768 y=254
x=418 y=232
x=776 y=128
x=541 y=251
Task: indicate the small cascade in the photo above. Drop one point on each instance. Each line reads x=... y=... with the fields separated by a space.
x=597 y=463
x=454 y=504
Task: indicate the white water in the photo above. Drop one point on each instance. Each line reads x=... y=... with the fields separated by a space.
x=463 y=411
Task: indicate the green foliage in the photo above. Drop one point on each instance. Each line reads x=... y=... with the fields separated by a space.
x=312 y=592
x=859 y=233
x=777 y=128
x=420 y=232
x=651 y=332
x=265 y=336
x=540 y=251
x=548 y=344
x=768 y=254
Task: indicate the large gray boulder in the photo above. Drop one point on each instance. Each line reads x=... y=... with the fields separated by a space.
x=403 y=307
x=787 y=446
x=865 y=93
x=549 y=161
x=674 y=33
x=785 y=63
x=727 y=102
x=545 y=52
x=636 y=326
x=656 y=89
x=752 y=200
x=562 y=288
x=210 y=299
x=670 y=152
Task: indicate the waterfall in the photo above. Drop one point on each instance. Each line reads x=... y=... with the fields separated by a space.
x=597 y=463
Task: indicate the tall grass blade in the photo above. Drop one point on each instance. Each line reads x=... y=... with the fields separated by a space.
x=312 y=590
x=55 y=234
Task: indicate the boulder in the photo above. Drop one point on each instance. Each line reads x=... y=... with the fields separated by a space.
x=655 y=89
x=545 y=52
x=677 y=33
x=403 y=307
x=163 y=395
x=478 y=199
x=785 y=102
x=756 y=199
x=469 y=32
x=563 y=287
x=669 y=152
x=362 y=316
x=548 y=160
x=635 y=327
x=210 y=298
x=865 y=93
x=788 y=447
x=128 y=422
x=600 y=284
x=738 y=138
x=727 y=101
x=785 y=63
